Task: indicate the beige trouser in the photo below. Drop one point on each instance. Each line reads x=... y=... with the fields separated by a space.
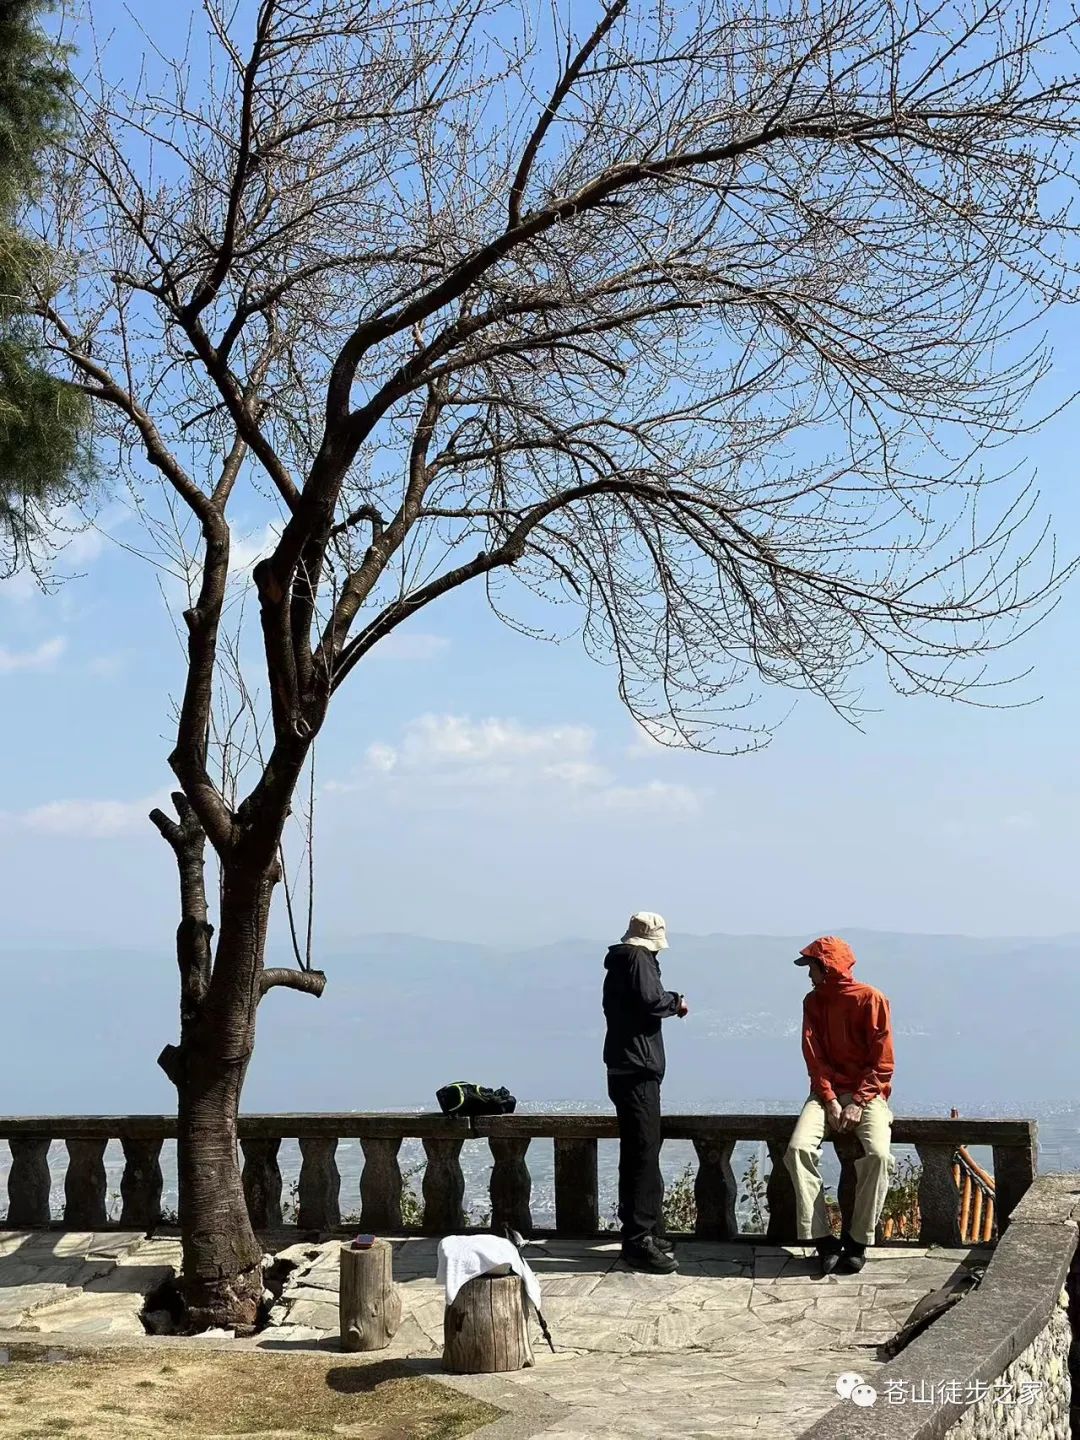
x=803 y=1160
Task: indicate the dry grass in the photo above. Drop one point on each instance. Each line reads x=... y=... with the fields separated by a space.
x=192 y=1395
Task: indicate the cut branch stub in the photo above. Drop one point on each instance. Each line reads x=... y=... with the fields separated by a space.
x=309 y=982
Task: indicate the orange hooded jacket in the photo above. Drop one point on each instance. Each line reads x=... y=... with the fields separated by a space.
x=847 y=1030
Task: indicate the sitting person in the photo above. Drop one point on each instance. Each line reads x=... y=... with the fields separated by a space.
x=848 y=1047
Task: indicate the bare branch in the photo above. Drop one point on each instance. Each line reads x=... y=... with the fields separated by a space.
x=310 y=982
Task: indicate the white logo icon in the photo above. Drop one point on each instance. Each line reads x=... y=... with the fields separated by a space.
x=850 y=1386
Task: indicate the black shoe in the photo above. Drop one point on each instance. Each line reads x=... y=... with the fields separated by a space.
x=853 y=1257
x=829 y=1253
x=663 y=1243
x=648 y=1256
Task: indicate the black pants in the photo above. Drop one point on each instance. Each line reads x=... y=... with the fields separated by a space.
x=641 y=1186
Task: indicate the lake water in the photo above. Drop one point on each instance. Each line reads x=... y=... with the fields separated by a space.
x=1059 y=1150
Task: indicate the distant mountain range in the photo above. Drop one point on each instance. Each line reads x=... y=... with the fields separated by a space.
x=980 y=1023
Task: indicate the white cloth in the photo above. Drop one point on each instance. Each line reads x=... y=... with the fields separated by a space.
x=463 y=1257
x=648 y=930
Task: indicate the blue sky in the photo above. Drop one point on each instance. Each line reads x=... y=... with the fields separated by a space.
x=476 y=784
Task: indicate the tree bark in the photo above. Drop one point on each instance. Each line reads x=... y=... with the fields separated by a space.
x=221 y=1277
x=485 y=1331
x=222 y=1272
x=369 y=1305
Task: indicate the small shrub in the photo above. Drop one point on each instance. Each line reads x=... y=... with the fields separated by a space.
x=900 y=1216
x=290 y=1205
x=756 y=1186
x=412 y=1204
x=680 y=1206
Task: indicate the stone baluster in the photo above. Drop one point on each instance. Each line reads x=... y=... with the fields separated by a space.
x=939 y=1199
x=141 y=1184
x=780 y=1195
x=715 y=1189
x=380 y=1186
x=444 y=1187
x=577 y=1200
x=84 y=1185
x=320 y=1185
x=1014 y=1171
x=29 y=1182
x=848 y=1150
x=262 y=1182
x=511 y=1184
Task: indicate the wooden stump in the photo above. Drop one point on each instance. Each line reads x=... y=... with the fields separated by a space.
x=484 y=1330
x=369 y=1306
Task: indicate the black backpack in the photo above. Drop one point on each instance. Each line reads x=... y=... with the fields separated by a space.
x=465 y=1098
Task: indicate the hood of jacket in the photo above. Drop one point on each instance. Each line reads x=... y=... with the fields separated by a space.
x=619 y=954
x=836 y=957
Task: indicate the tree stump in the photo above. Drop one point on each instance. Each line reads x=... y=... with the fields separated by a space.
x=369 y=1306
x=484 y=1330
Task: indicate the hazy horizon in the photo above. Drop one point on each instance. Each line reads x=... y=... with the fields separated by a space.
x=980 y=1022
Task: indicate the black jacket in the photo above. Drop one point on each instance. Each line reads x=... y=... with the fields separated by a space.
x=635 y=1003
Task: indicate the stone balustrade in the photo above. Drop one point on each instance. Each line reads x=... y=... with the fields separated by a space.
x=575 y=1138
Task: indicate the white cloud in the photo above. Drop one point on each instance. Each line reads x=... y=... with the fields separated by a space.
x=107 y=667
x=83 y=819
x=75 y=543
x=653 y=737
x=657 y=795
x=44 y=657
x=381 y=757
x=455 y=760
x=245 y=551
x=405 y=645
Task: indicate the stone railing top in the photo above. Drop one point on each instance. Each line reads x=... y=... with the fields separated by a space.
x=907 y=1130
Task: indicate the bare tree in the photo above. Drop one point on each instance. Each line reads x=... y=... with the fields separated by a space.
x=699 y=320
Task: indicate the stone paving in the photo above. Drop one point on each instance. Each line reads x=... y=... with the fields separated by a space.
x=742 y=1341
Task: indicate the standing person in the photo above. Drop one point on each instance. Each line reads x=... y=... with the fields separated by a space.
x=848 y=1047
x=635 y=1004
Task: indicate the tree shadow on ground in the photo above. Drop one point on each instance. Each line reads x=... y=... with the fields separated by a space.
x=367 y=1375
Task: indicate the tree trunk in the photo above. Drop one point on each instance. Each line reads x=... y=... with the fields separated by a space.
x=221 y=1277
x=222 y=1272
x=369 y=1305
x=485 y=1330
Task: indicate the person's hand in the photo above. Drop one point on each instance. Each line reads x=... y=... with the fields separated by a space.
x=834 y=1113
x=683 y=1009
x=850 y=1117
